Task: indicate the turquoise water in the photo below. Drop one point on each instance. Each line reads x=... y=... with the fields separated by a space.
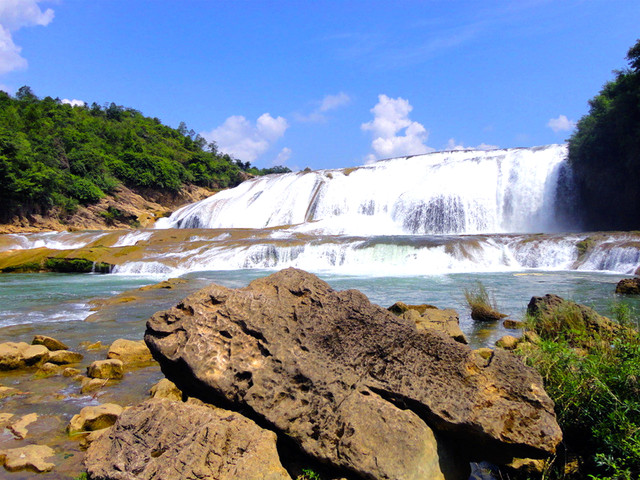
x=57 y=304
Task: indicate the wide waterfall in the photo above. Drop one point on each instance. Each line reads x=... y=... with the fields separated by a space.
x=455 y=192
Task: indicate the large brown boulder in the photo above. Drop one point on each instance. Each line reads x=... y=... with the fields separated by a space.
x=162 y=439
x=311 y=361
x=628 y=286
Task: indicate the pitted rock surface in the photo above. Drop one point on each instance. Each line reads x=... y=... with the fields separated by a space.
x=162 y=439
x=290 y=350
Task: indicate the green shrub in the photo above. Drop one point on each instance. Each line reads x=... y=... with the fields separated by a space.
x=308 y=474
x=482 y=304
x=594 y=380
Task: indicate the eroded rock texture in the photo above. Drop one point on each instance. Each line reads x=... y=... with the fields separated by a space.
x=162 y=439
x=352 y=384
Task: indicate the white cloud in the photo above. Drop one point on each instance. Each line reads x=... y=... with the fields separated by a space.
x=390 y=119
x=241 y=139
x=561 y=124
x=15 y=14
x=74 y=102
x=282 y=157
x=329 y=102
x=453 y=145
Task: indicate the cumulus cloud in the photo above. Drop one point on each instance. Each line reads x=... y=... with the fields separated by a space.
x=244 y=140
x=283 y=156
x=561 y=124
x=453 y=145
x=74 y=102
x=14 y=15
x=328 y=103
x=394 y=133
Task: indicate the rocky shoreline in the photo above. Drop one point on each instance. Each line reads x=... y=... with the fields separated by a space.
x=294 y=374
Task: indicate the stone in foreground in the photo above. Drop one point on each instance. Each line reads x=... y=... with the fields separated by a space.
x=163 y=439
x=31 y=457
x=94 y=418
x=15 y=355
x=106 y=369
x=314 y=363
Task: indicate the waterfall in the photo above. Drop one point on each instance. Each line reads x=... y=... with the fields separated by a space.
x=456 y=192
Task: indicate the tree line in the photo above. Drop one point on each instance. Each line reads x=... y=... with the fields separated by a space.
x=54 y=155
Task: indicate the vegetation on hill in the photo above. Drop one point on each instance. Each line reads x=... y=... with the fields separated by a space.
x=57 y=155
x=604 y=152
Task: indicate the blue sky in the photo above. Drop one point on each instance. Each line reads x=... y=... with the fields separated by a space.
x=327 y=84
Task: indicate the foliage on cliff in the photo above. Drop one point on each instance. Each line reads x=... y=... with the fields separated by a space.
x=57 y=155
x=604 y=152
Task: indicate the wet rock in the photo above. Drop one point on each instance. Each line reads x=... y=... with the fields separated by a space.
x=296 y=353
x=92 y=345
x=88 y=385
x=628 y=286
x=94 y=418
x=51 y=343
x=32 y=457
x=483 y=313
x=111 y=369
x=5 y=419
x=64 y=357
x=399 y=308
x=8 y=392
x=512 y=324
x=47 y=369
x=129 y=351
x=165 y=439
x=15 y=355
x=508 y=342
x=19 y=428
x=71 y=372
x=166 y=389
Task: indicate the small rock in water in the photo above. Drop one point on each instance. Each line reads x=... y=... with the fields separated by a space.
x=47 y=369
x=19 y=428
x=31 y=457
x=70 y=372
x=129 y=351
x=63 y=357
x=112 y=369
x=51 y=343
x=512 y=324
x=94 y=418
x=88 y=385
x=15 y=355
x=628 y=286
x=8 y=392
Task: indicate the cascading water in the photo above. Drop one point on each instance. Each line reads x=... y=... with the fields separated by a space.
x=458 y=192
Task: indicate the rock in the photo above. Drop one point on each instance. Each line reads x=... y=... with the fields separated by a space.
x=166 y=389
x=129 y=351
x=30 y=457
x=51 y=343
x=21 y=355
x=508 y=342
x=512 y=324
x=8 y=392
x=628 y=286
x=70 y=372
x=527 y=466
x=47 y=369
x=88 y=385
x=5 y=418
x=446 y=321
x=19 y=428
x=92 y=345
x=112 y=369
x=552 y=310
x=399 y=308
x=296 y=353
x=94 y=418
x=483 y=313
x=165 y=439
x=63 y=357
x=91 y=437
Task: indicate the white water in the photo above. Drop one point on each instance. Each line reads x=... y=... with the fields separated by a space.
x=459 y=192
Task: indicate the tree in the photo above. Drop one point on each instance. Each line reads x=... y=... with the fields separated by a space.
x=604 y=153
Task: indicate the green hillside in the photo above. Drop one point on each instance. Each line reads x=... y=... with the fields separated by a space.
x=55 y=156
